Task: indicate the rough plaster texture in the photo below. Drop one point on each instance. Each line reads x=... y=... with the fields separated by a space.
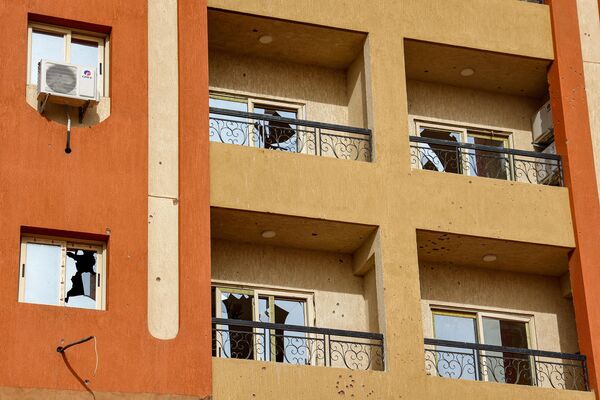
x=390 y=195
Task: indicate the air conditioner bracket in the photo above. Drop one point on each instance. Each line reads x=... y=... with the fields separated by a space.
x=83 y=109
x=42 y=104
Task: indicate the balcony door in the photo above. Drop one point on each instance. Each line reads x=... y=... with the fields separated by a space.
x=254 y=342
x=453 y=159
x=484 y=328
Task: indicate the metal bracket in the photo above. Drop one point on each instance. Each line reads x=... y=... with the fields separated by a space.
x=83 y=109
x=42 y=104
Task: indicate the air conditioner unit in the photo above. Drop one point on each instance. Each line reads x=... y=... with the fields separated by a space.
x=542 y=125
x=68 y=84
x=548 y=172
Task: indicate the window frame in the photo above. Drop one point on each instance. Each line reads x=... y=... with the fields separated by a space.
x=65 y=243
x=68 y=36
x=466 y=131
x=257 y=293
x=253 y=101
x=478 y=315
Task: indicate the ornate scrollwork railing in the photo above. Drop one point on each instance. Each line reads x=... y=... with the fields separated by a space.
x=292 y=135
x=487 y=161
x=300 y=345
x=473 y=361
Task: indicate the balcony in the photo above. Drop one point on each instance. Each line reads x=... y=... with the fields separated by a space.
x=298 y=345
x=485 y=161
x=481 y=114
x=287 y=134
x=472 y=361
x=498 y=311
x=288 y=86
x=292 y=290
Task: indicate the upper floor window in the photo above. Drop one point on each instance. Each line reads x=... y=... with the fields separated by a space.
x=265 y=133
x=53 y=43
x=62 y=272
x=474 y=162
x=260 y=305
x=484 y=328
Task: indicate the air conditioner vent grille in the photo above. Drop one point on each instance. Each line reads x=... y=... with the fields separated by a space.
x=62 y=78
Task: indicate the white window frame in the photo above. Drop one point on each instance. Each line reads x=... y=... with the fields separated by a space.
x=478 y=315
x=257 y=292
x=466 y=131
x=254 y=101
x=77 y=34
x=66 y=243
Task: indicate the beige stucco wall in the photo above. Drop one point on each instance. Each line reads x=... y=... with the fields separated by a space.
x=321 y=90
x=388 y=194
x=589 y=28
x=341 y=299
x=472 y=108
x=527 y=295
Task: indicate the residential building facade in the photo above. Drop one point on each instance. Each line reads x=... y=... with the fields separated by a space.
x=401 y=200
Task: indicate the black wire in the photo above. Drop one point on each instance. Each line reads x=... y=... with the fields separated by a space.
x=61 y=349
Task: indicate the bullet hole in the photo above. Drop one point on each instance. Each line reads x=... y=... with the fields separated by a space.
x=175 y=202
x=426 y=71
x=244 y=75
x=87 y=381
x=254 y=30
x=158 y=279
x=341 y=261
x=160 y=163
x=337 y=304
x=315 y=234
x=342 y=393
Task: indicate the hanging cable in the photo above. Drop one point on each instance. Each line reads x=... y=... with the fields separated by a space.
x=68 y=147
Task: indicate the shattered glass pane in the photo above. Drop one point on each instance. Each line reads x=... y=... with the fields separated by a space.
x=81 y=278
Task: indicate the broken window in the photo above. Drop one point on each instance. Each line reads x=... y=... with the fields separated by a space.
x=277 y=135
x=451 y=158
x=281 y=345
x=58 y=272
x=257 y=132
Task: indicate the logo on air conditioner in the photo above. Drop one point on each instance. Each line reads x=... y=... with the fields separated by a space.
x=87 y=74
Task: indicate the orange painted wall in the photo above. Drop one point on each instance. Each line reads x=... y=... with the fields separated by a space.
x=574 y=143
x=103 y=185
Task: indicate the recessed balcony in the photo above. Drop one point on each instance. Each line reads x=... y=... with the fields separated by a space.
x=293 y=290
x=498 y=311
x=480 y=114
x=287 y=86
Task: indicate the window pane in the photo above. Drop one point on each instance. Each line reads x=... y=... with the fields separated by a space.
x=488 y=163
x=81 y=278
x=85 y=53
x=455 y=362
x=228 y=129
x=236 y=341
x=45 y=46
x=277 y=135
x=42 y=274
x=505 y=366
x=436 y=157
x=291 y=346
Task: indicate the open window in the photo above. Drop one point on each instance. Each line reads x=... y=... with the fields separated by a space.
x=453 y=158
x=62 y=272
x=248 y=341
x=276 y=131
x=509 y=331
x=60 y=44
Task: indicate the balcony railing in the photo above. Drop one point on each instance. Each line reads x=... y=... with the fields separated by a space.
x=300 y=345
x=487 y=161
x=472 y=361
x=292 y=135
